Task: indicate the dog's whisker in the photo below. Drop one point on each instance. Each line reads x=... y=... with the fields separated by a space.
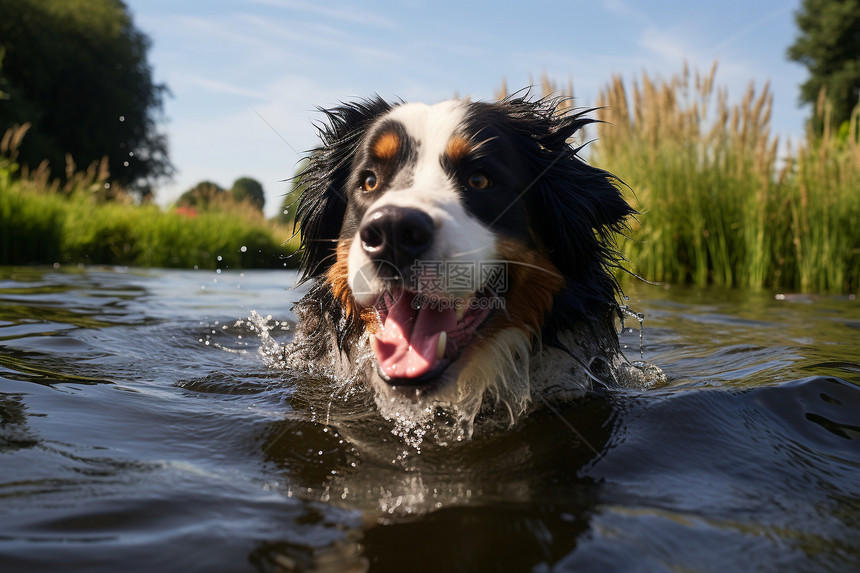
x=462 y=254
x=569 y=425
x=536 y=267
x=479 y=147
x=506 y=262
x=501 y=307
x=327 y=257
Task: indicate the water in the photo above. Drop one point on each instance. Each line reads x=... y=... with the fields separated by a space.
x=142 y=430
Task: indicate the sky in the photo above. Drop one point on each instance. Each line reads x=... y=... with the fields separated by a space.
x=246 y=77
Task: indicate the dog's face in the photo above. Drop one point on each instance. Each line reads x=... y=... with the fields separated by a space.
x=444 y=241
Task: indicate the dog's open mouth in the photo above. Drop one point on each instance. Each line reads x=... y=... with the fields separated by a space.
x=421 y=336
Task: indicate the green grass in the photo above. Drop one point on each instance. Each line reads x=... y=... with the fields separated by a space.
x=40 y=223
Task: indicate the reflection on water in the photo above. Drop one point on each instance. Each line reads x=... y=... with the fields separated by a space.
x=146 y=423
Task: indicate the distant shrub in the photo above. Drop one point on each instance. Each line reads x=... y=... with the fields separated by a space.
x=249 y=190
x=201 y=195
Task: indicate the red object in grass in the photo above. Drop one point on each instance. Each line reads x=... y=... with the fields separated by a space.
x=189 y=212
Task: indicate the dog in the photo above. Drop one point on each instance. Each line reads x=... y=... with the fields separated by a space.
x=460 y=256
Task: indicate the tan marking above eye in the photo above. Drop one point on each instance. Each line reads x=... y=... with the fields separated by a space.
x=369 y=181
x=478 y=180
x=458 y=148
x=387 y=145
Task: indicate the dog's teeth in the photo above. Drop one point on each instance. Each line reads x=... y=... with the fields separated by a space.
x=461 y=312
x=440 y=346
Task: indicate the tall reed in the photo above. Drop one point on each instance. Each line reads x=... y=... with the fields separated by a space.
x=718 y=204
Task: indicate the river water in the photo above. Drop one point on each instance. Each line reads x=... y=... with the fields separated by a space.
x=147 y=425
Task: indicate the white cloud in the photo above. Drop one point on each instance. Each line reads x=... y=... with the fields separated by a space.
x=341 y=12
x=624 y=9
x=668 y=48
x=224 y=87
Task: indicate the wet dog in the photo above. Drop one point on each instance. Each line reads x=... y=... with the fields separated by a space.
x=460 y=255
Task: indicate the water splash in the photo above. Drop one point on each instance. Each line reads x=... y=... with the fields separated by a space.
x=410 y=496
x=638 y=373
x=270 y=350
x=411 y=432
x=640 y=317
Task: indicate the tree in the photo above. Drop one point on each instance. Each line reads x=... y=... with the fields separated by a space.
x=78 y=71
x=201 y=195
x=829 y=46
x=247 y=189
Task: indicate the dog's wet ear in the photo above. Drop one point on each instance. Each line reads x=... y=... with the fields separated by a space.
x=581 y=206
x=322 y=206
x=578 y=210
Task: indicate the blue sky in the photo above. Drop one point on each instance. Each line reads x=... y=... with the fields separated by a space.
x=246 y=76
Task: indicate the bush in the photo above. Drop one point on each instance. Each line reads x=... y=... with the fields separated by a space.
x=249 y=190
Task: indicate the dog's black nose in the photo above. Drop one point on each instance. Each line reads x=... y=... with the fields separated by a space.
x=397 y=235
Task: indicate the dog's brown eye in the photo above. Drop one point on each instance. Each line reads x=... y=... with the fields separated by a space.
x=478 y=180
x=369 y=182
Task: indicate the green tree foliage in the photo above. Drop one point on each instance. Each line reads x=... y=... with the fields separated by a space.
x=78 y=71
x=829 y=46
x=201 y=195
x=247 y=189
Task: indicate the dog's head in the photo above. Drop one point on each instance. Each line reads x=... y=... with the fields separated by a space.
x=456 y=235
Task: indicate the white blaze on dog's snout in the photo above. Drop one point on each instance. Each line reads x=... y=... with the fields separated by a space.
x=459 y=238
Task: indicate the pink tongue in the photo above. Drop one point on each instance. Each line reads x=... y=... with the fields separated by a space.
x=406 y=347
